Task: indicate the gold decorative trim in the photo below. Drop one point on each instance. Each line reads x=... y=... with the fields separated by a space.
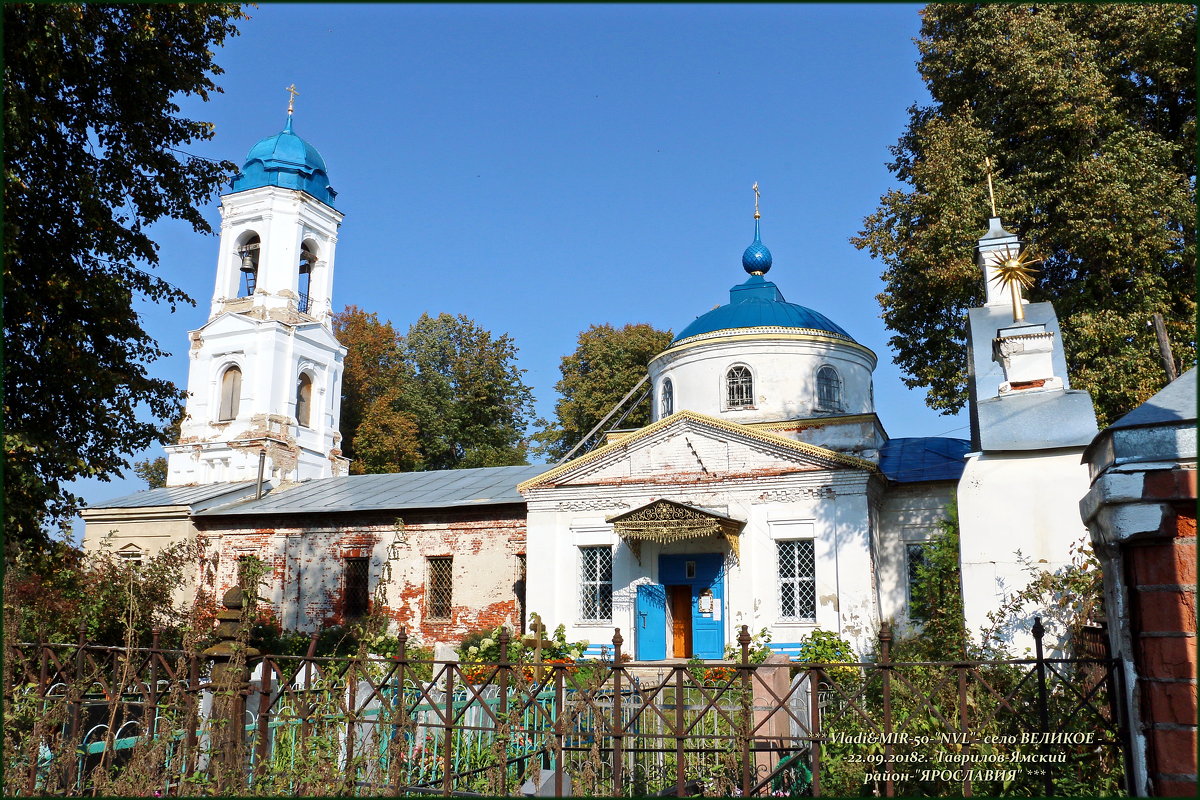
x=687 y=415
x=774 y=332
x=665 y=521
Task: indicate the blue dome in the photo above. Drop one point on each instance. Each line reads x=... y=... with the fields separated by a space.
x=287 y=161
x=757 y=303
x=757 y=258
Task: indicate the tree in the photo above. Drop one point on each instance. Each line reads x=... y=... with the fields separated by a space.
x=91 y=154
x=606 y=364
x=468 y=394
x=447 y=395
x=1087 y=113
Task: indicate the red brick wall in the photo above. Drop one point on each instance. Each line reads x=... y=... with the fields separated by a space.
x=1162 y=581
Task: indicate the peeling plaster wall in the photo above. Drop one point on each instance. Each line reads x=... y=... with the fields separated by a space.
x=910 y=513
x=306 y=583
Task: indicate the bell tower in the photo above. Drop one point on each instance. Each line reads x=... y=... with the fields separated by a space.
x=264 y=382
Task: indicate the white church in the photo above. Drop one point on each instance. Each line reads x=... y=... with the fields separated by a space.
x=765 y=492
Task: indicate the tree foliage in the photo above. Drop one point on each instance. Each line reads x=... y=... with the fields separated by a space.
x=1087 y=113
x=606 y=364
x=447 y=395
x=91 y=155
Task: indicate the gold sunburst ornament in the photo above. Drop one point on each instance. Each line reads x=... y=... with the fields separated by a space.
x=1014 y=271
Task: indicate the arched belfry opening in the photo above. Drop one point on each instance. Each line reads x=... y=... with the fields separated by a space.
x=304 y=401
x=231 y=394
x=308 y=263
x=249 y=252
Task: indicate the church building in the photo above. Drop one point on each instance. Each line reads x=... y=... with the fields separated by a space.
x=765 y=492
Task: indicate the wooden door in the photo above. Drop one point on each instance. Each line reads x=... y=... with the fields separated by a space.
x=681 y=620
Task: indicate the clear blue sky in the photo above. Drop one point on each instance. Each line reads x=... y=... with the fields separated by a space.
x=541 y=168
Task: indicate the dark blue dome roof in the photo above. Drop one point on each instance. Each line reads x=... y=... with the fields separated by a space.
x=757 y=303
x=287 y=161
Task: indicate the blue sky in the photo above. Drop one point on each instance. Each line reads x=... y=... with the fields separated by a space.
x=541 y=168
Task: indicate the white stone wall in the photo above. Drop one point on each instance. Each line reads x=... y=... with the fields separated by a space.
x=909 y=514
x=784 y=367
x=1027 y=502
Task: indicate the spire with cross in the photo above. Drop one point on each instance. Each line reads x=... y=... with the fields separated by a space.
x=291 y=90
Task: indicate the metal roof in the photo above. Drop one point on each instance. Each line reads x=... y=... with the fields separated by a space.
x=434 y=489
x=928 y=458
x=758 y=303
x=174 y=495
x=1174 y=403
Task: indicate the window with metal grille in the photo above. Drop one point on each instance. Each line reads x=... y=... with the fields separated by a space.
x=356 y=592
x=439 y=586
x=915 y=555
x=829 y=389
x=668 y=398
x=797 y=580
x=739 y=387
x=595 y=583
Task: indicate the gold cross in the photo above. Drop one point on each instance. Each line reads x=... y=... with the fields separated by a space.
x=755 y=187
x=291 y=90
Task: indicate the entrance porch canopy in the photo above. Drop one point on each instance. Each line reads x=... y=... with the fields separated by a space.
x=665 y=521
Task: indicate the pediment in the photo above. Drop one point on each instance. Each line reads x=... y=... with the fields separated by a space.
x=692 y=446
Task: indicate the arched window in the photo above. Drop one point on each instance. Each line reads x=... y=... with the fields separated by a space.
x=667 y=398
x=829 y=389
x=308 y=260
x=248 y=256
x=303 y=400
x=231 y=394
x=739 y=387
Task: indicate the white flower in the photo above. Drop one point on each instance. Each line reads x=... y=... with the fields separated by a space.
x=472 y=649
x=486 y=643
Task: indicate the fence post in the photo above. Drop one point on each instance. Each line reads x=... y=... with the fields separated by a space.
x=229 y=678
x=964 y=722
x=743 y=641
x=885 y=665
x=152 y=711
x=399 y=712
x=76 y=690
x=503 y=723
x=814 y=711
x=1043 y=708
x=264 y=710
x=618 y=723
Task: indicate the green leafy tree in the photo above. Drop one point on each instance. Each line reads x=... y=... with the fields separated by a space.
x=606 y=364
x=937 y=600
x=92 y=158
x=1087 y=113
x=447 y=395
x=468 y=394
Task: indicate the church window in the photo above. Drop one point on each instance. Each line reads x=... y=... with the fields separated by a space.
x=595 y=583
x=248 y=257
x=915 y=554
x=231 y=394
x=739 y=387
x=308 y=260
x=797 y=580
x=439 y=587
x=667 y=399
x=829 y=389
x=303 y=400
x=131 y=554
x=356 y=593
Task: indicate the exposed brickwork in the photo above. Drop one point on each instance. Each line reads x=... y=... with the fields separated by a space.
x=307 y=566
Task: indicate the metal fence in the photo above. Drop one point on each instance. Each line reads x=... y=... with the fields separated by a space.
x=99 y=720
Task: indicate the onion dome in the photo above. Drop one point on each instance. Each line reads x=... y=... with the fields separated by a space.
x=287 y=161
x=756 y=259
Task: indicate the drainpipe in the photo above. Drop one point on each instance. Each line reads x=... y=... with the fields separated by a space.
x=262 y=465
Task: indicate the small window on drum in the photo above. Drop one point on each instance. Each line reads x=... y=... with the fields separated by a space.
x=667 y=398
x=739 y=388
x=829 y=389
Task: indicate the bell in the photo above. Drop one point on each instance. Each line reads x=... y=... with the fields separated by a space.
x=247 y=262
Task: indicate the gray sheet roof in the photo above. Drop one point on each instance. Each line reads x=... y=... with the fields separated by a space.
x=174 y=495
x=928 y=458
x=1174 y=403
x=437 y=489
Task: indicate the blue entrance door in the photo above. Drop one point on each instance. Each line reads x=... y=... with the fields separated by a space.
x=703 y=573
x=651 y=622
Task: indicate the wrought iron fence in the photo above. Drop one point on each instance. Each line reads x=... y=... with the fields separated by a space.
x=84 y=719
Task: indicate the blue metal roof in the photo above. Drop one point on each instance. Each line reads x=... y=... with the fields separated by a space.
x=929 y=458
x=434 y=489
x=288 y=161
x=758 y=303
